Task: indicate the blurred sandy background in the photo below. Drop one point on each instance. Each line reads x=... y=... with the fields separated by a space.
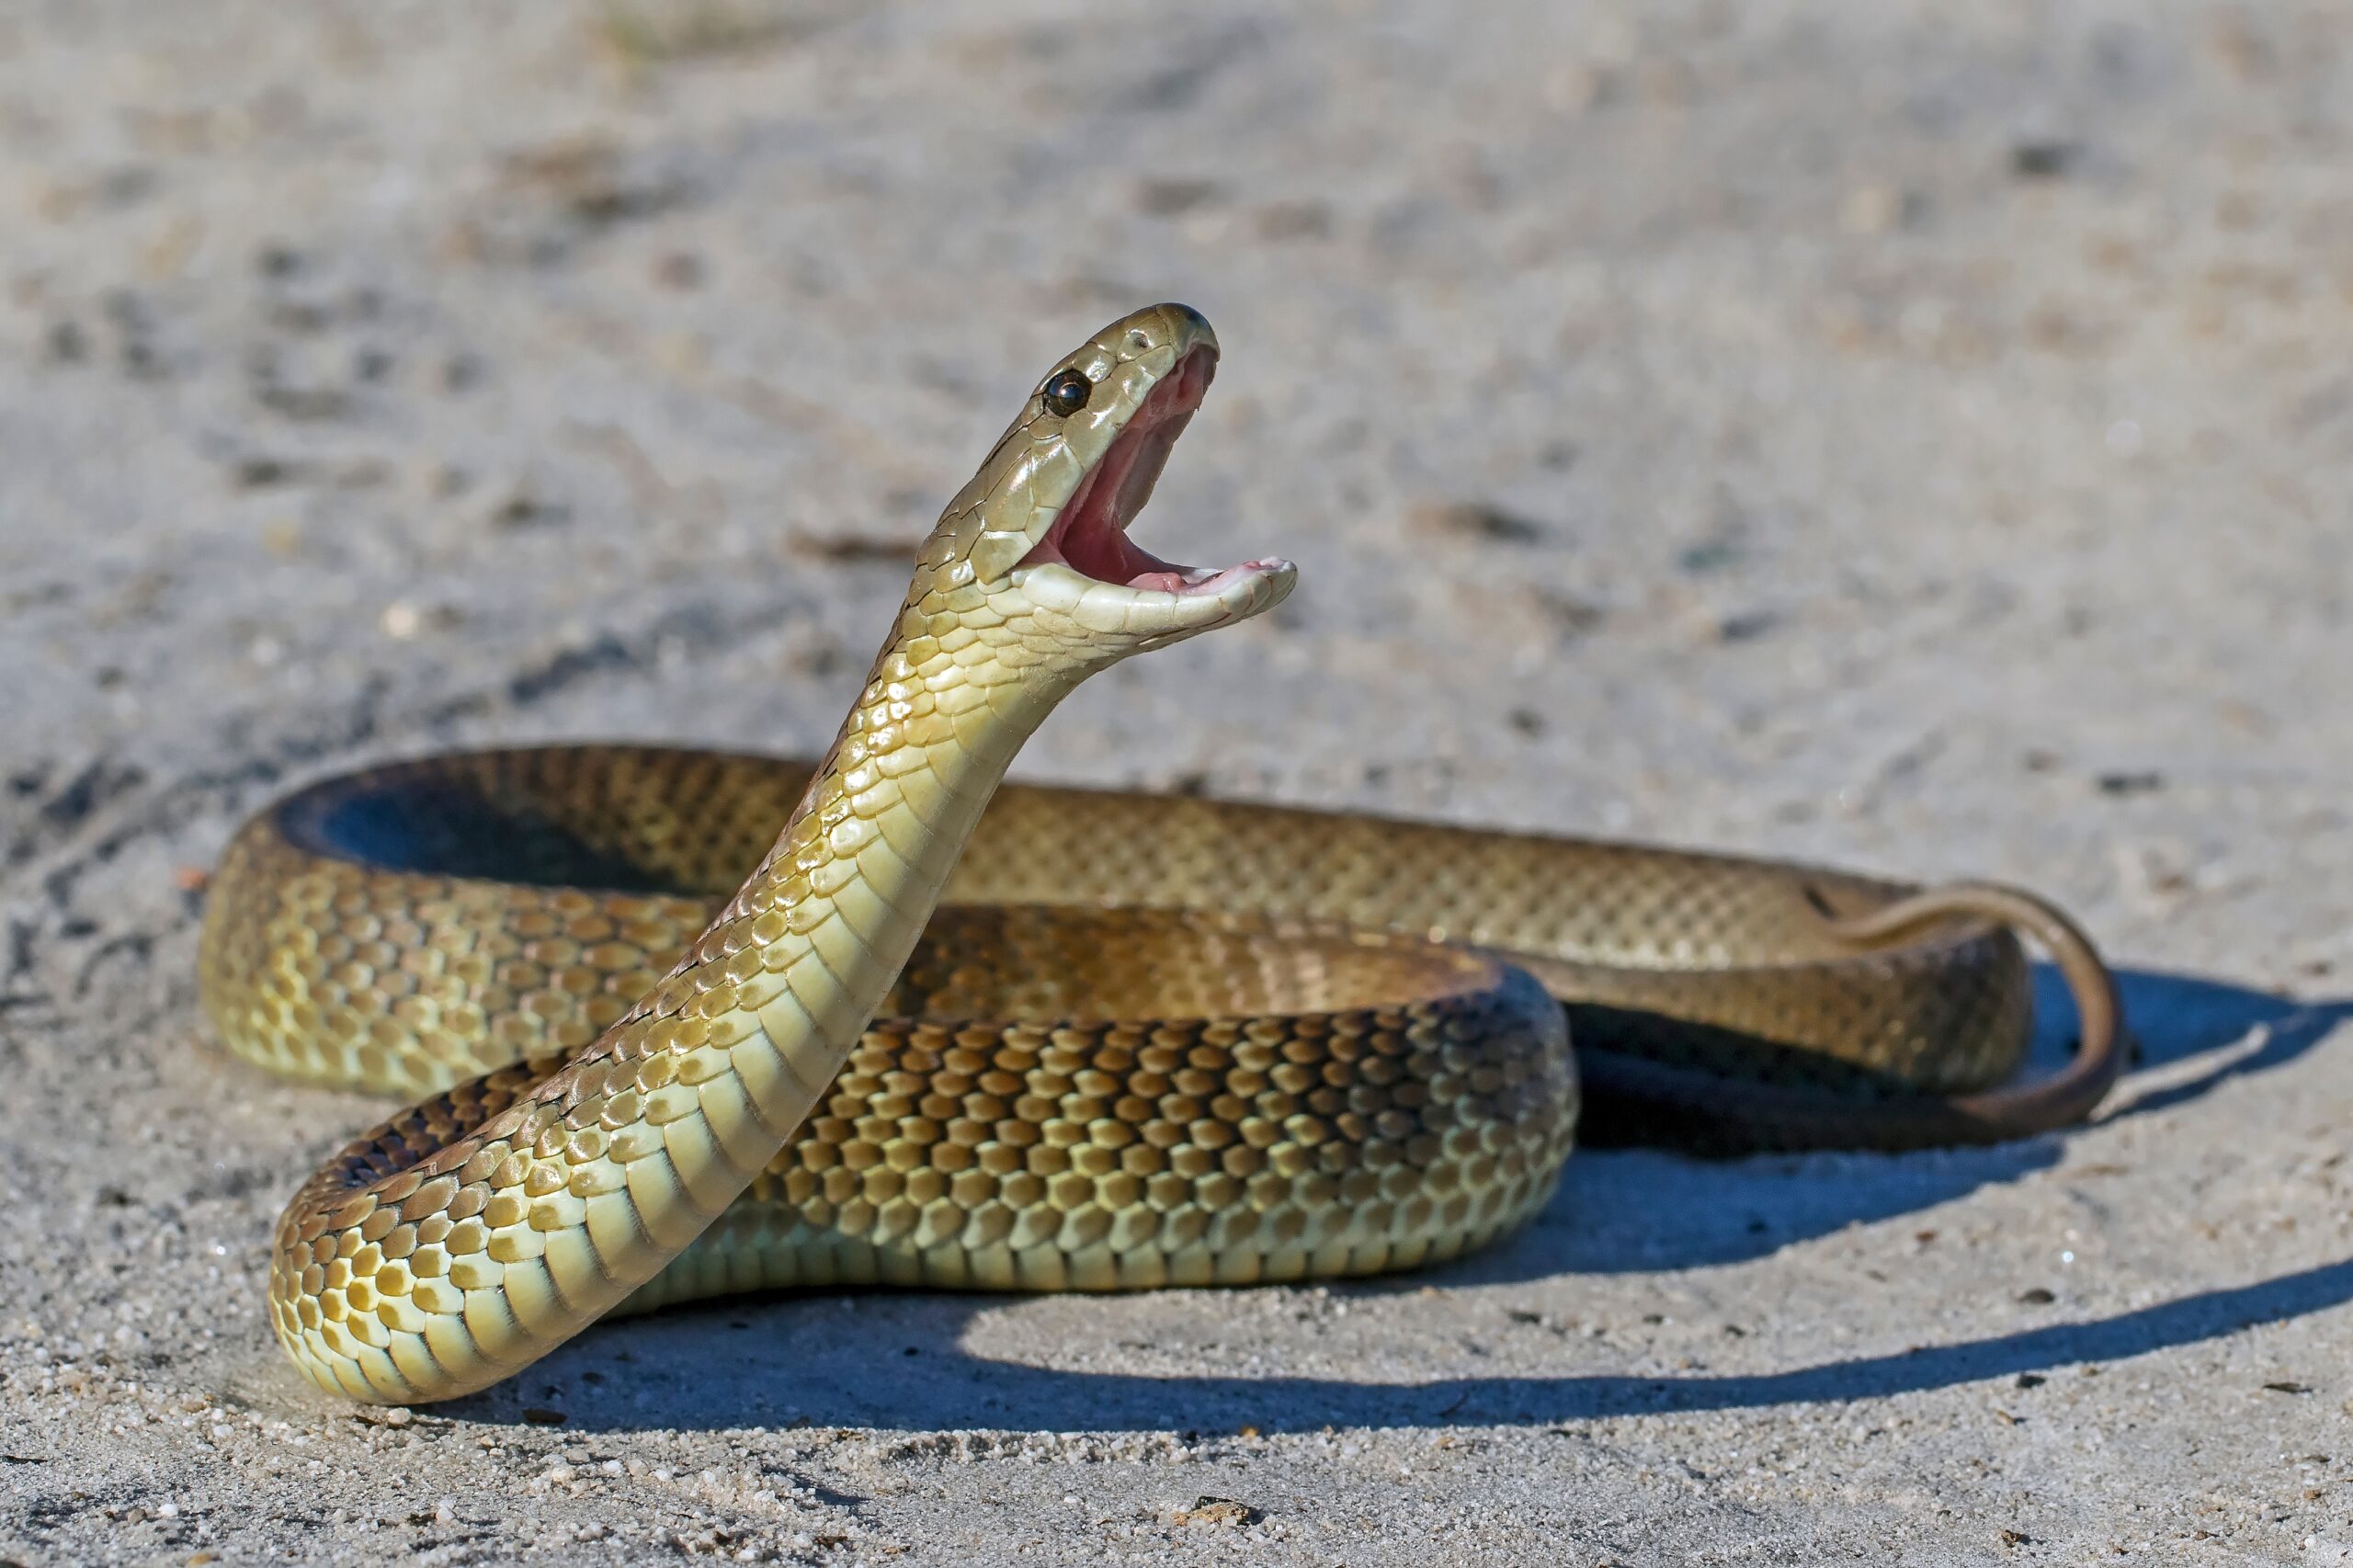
x=1913 y=436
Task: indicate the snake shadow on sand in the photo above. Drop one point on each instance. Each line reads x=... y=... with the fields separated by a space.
x=897 y=1360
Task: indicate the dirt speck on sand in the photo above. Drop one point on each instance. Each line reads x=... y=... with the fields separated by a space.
x=1907 y=435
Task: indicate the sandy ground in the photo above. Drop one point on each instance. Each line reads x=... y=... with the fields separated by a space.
x=1911 y=435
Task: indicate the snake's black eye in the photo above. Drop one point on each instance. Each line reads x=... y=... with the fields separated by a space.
x=1067 y=393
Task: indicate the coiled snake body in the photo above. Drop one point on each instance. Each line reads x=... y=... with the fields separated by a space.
x=1146 y=1042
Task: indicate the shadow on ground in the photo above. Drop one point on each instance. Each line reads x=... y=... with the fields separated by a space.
x=896 y=1361
x=759 y=1378
x=1638 y=1209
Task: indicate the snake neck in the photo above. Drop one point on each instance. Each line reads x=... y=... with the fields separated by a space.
x=837 y=905
x=551 y=1206
x=760 y=1013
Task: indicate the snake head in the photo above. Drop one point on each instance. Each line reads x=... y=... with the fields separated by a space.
x=1040 y=533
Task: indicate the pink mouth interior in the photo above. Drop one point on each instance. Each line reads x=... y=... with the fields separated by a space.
x=1090 y=536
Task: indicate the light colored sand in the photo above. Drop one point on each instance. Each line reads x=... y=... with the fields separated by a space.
x=1933 y=430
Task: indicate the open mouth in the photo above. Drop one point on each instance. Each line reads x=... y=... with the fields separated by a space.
x=1090 y=536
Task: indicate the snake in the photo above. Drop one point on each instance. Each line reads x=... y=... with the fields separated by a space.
x=1032 y=1038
